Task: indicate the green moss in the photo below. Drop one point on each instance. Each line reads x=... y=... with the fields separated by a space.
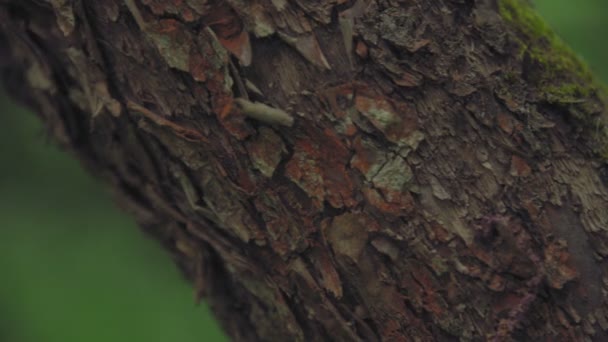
x=603 y=152
x=520 y=12
x=567 y=92
x=510 y=77
x=556 y=73
x=563 y=77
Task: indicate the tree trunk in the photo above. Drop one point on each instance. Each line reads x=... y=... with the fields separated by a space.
x=386 y=170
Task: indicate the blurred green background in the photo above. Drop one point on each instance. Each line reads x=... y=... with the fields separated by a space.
x=74 y=268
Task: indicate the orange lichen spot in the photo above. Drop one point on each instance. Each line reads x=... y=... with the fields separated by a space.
x=304 y=170
x=431 y=301
x=318 y=166
x=198 y=66
x=366 y=158
x=396 y=120
x=168 y=26
x=507 y=302
x=531 y=207
x=229 y=115
x=496 y=283
x=245 y=181
x=188 y=14
x=557 y=268
x=229 y=29
x=338 y=184
x=505 y=122
x=401 y=204
x=240 y=47
x=519 y=167
x=350 y=129
x=158 y=7
x=361 y=50
x=408 y=79
x=187 y=133
x=331 y=95
x=439 y=233
x=481 y=252
x=330 y=279
x=172 y=7
x=226 y=108
x=388 y=175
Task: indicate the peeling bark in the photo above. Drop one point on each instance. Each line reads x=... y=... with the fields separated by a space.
x=339 y=170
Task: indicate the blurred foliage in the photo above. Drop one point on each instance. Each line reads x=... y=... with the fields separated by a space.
x=74 y=268
x=582 y=24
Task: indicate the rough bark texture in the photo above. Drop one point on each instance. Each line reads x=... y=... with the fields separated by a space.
x=388 y=170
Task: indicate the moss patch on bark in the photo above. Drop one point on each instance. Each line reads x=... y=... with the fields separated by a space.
x=563 y=77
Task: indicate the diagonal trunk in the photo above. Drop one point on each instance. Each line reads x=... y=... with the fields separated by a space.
x=339 y=170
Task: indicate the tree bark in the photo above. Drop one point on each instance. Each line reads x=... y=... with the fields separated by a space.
x=386 y=170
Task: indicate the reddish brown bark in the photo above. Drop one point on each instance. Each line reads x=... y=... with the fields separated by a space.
x=339 y=170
